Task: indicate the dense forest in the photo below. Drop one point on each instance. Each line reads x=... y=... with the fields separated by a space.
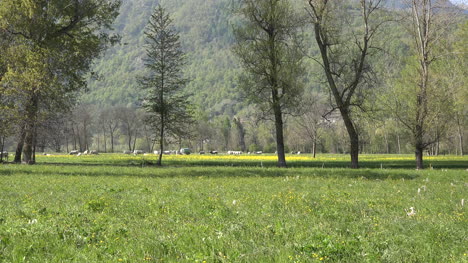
x=107 y=115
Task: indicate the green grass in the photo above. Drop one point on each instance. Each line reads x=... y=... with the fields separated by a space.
x=69 y=212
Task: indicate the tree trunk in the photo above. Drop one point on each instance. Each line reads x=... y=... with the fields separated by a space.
x=418 y=138
x=314 y=145
x=279 y=136
x=66 y=142
x=460 y=136
x=28 y=145
x=112 y=141
x=129 y=134
x=387 y=145
x=353 y=138
x=74 y=137
x=30 y=129
x=19 y=147
x=399 y=145
x=134 y=142
x=161 y=142
x=419 y=158
x=2 y=146
x=35 y=145
x=85 y=136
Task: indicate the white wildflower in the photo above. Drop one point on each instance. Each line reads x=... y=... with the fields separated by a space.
x=411 y=212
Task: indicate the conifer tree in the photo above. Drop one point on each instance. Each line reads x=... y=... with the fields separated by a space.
x=168 y=106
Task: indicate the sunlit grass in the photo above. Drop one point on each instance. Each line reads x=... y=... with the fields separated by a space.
x=304 y=160
x=97 y=211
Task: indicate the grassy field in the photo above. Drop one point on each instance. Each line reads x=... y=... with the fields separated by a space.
x=115 y=208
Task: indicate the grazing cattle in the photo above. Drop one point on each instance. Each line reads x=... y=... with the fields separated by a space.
x=4 y=155
x=185 y=151
x=214 y=152
x=86 y=152
x=74 y=152
x=235 y=152
x=259 y=152
x=93 y=152
x=127 y=152
x=138 y=152
x=167 y=152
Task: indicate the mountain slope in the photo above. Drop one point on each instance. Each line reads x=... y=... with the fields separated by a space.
x=205 y=34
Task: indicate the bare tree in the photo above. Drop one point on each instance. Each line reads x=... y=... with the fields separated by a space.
x=110 y=122
x=345 y=40
x=129 y=125
x=311 y=119
x=420 y=103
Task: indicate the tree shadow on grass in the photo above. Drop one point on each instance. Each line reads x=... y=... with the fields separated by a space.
x=209 y=172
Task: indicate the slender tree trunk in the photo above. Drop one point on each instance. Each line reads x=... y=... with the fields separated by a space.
x=105 y=141
x=161 y=142
x=460 y=135
x=66 y=143
x=399 y=145
x=85 y=134
x=279 y=136
x=314 y=146
x=79 y=139
x=152 y=145
x=386 y=143
x=2 y=146
x=74 y=137
x=35 y=145
x=112 y=141
x=134 y=142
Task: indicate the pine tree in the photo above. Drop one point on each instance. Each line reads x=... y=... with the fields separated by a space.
x=168 y=106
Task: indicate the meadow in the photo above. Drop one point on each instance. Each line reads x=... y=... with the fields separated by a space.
x=118 y=208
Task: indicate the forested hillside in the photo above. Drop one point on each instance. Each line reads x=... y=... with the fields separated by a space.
x=385 y=108
x=206 y=37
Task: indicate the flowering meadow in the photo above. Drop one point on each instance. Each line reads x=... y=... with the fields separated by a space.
x=119 y=208
x=263 y=160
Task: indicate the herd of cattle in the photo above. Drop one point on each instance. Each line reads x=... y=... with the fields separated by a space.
x=183 y=151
